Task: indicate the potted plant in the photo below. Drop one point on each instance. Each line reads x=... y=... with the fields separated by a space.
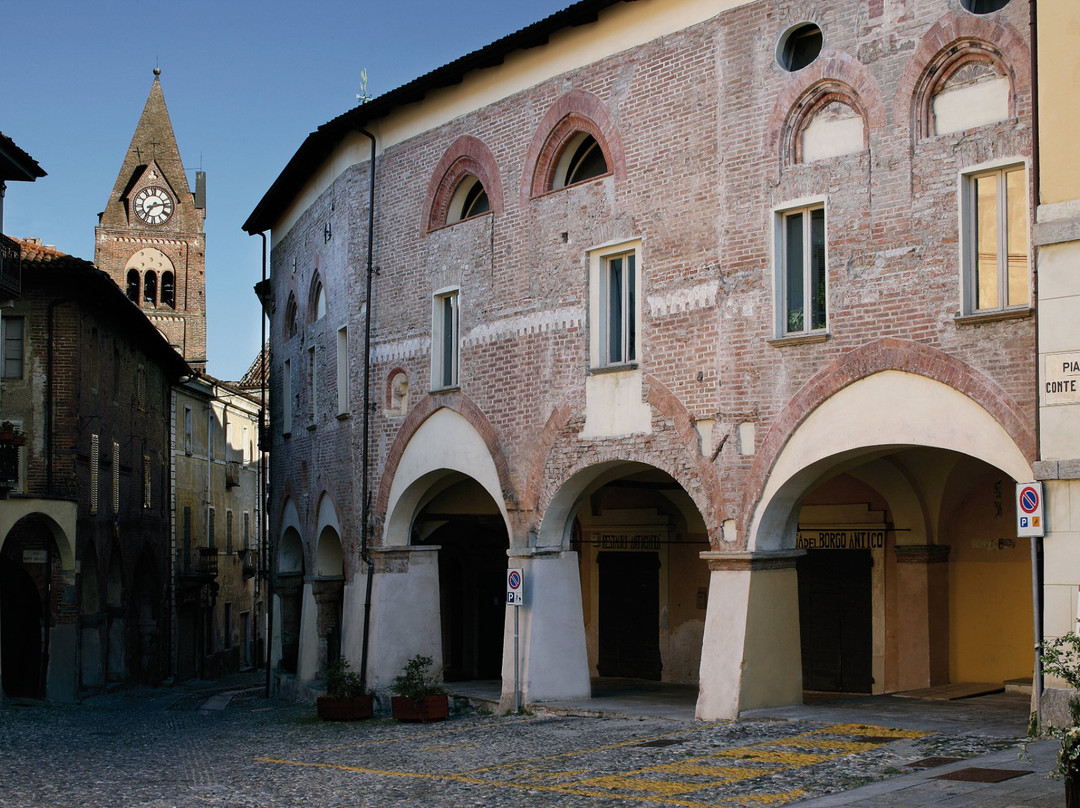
x=1061 y=658
x=345 y=698
x=419 y=696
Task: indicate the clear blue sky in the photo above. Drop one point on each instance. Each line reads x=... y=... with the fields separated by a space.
x=245 y=82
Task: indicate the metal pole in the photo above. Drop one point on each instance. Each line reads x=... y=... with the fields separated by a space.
x=1036 y=676
x=517 y=677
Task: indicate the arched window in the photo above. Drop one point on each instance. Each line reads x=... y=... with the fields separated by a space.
x=150 y=287
x=581 y=159
x=168 y=290
x=470 y=199
x=318 y=301
x=290 y=317
x=133 y=285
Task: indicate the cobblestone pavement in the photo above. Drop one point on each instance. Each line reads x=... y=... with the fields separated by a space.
x=229 y=747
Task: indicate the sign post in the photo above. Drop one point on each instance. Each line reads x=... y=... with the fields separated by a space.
x=515 y=596
x=1030 y=521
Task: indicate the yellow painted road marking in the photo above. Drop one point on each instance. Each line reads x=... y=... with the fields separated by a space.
x=666 y=783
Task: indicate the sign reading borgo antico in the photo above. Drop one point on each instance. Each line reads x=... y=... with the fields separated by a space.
x=841 y=538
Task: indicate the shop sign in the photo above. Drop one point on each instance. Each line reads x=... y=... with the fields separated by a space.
x=1061 y=378
x=841 y=538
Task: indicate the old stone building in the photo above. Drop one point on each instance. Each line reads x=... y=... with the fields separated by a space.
x=714 y=318
x=87 y=380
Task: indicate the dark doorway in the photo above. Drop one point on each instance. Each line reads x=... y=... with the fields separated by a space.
x=20 y=632
x=629 y=613
x=472 y=590
x=836 y=620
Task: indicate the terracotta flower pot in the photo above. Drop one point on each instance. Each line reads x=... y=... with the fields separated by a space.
x=344 y=708
x=428 y=708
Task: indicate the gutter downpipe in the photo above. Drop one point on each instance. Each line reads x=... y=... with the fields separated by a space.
x=267 y=556
x=365 y=493
x=1036 y=549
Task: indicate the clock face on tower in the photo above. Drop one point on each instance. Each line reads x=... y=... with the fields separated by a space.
x=153 y=205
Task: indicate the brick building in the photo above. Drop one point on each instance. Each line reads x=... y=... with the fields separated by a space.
x=87 y=380
x=715 y=318
x=150 y=236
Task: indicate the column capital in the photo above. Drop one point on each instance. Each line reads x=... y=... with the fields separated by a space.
x=751 y=561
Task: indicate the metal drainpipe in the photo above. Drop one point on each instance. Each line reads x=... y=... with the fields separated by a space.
x=365 y=494
x=1036 y=554
x=267 y=557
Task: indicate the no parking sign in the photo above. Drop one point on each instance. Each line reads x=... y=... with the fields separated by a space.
x=514 y=582
x=1029 y=510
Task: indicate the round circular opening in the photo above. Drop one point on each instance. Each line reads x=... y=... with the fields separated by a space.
x=984 y=6
x=799 y=47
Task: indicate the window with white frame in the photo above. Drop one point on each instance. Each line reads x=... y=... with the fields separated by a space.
x=994 y=209
x=800 y=266
x=188 y=427
x=444 y=340
x=614 y=281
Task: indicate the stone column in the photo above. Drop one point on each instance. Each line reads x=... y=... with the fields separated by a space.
x=328 y=600
x=750 y=655
x=553 y=660
x=287 y=589
x=922 y=592
x=405 y=613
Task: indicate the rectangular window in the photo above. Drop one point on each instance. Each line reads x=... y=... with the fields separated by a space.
x=94 y=361
x=116 y=477
x=313 y=384
x=801 y=271
x=247 y=530
x=614 y=311
x=343 y=370
x=13 y=330
x=286 y=397
x=146 y=481
x=188 y=426
x=210 y=541
x=95 y=461
x=619 y=297
x=244 y=456
x=996 y=240
x=228 y=531
x=444 y=340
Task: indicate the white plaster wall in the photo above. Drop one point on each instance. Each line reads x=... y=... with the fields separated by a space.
x=404 y=616
x=1061 y=562
x=613 y=405
x=971 y=105
x=826 y=137
x=721 y=651
x=307 y=661
x=352 y=622
x=445 y=442
x=275 y=641
x=1059 y=301
x=865 y=415
x=554 y=662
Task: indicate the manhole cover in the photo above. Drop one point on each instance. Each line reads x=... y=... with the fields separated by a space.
x=932 y=762
x=977 y=775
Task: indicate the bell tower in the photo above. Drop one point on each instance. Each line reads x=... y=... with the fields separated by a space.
x=150 y=238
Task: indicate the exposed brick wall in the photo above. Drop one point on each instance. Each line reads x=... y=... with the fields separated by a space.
x=695 y=124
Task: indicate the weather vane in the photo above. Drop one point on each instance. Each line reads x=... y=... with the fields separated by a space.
x=363 y=96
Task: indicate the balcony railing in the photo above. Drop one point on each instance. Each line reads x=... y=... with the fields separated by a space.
x=10 y=268
x=202 y=564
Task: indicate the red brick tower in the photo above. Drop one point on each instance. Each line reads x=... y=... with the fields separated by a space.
x=150 y=237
